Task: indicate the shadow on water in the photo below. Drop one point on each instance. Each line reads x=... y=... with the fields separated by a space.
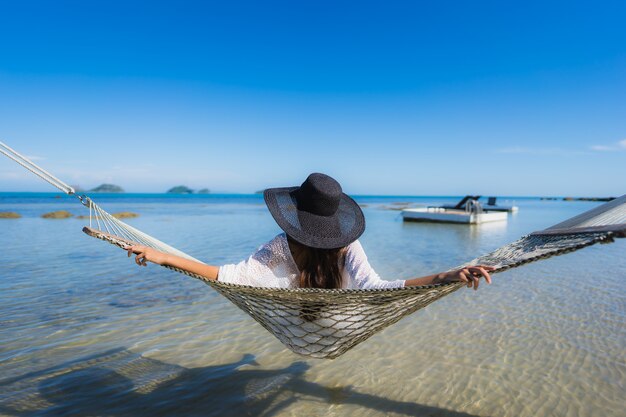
x=123 y=383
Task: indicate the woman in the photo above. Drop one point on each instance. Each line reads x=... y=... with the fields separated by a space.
x=319 y=248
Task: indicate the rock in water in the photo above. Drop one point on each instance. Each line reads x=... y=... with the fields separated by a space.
x=125 y=215
x=9 y=215
x=61 y=214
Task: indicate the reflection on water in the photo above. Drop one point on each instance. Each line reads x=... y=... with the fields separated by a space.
x=545 y=339
x=123 y=383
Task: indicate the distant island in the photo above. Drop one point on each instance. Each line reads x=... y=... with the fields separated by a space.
x=183 y=189
x=107 y=188
x=180 y=189
x=601 y=199
x=588 y=198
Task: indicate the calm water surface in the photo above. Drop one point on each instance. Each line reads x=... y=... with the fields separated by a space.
x=84 y=331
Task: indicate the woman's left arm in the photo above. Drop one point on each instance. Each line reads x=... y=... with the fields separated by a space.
x=469 y=275
x=147 y=254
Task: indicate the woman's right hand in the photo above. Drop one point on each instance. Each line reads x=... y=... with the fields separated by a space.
x=147 y=254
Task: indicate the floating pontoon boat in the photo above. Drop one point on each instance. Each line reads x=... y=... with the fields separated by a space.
x=472 y=213
x=490 y=206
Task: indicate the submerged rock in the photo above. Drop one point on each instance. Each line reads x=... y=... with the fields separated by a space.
x=9 y=215
x=60 y=214
x=125 y=215
x=120 y=215
x=86 y=216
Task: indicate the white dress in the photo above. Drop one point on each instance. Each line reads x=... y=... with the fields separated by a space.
x=273 y=266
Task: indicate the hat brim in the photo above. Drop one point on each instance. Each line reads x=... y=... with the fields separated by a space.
x=323 y=232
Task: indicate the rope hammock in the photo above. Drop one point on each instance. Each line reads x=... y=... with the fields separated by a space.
x=323 y=323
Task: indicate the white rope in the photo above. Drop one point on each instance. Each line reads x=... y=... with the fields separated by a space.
x=117 y=227
x=35 y=169
x=104 y=219
x=110 y=223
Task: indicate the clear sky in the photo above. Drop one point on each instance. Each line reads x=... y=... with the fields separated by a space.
x=406 y=97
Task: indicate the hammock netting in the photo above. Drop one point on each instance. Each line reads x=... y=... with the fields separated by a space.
x=323 y=323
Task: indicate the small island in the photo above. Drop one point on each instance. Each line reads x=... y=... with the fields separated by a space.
x=601 y=199
x=204 y=191
x=180 y=189
x=107 y=188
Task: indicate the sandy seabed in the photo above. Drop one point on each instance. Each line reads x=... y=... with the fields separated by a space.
x=84 y=332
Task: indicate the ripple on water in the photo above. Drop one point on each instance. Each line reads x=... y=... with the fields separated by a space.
x=83 y=330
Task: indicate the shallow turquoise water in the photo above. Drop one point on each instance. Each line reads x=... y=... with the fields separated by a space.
x=85 y=331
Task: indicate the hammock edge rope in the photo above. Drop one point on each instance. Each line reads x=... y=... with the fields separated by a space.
x=326 y=323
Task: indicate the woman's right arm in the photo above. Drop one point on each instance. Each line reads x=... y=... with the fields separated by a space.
x=146 y=254
x=469 y=275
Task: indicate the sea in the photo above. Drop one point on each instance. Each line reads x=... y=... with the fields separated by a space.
x=84 y=331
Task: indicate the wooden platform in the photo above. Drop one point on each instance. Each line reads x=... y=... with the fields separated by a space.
x=443 y=215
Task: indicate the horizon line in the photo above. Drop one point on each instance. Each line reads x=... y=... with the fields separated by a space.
x=260 y=194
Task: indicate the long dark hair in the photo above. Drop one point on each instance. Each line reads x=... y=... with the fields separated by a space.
x=319 y=268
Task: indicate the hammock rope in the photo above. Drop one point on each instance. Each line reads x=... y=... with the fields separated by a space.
x=35 y=169
x=325 y=323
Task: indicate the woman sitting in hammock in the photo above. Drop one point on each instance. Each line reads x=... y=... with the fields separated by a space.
x=319 y=248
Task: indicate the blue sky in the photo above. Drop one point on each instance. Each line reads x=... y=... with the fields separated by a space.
x=412 y=97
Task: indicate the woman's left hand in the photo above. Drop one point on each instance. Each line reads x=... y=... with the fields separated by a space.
x=470 y=275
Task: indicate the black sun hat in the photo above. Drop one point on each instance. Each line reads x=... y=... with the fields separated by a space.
x=317 y=214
